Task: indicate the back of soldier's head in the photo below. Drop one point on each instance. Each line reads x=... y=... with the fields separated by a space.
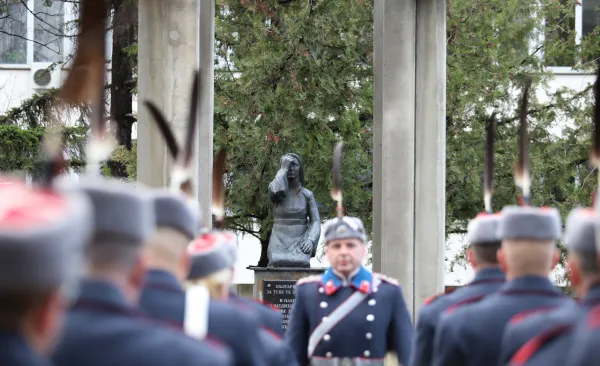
x=177 y=223
x=124 y=221
x=529 y=236
x=42 y=235
x=579 y=239
x=483 y=239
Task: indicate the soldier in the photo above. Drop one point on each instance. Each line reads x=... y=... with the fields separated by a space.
x=104 y=327
x=40 y=255
x=544 y=339
x=211 y=266
x=484 y=244
x=472 y=334
x=163 y=296
x=348 y=315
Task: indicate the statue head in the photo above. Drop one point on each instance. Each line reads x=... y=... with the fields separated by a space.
x=296 y=168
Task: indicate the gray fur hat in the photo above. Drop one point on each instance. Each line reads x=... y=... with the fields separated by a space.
x=173 y=210
x=528 y=222
x=120 y=209
x=211 y=253
x=580 y=231
x=42 y=236
x=483 y=229
x=344 y=228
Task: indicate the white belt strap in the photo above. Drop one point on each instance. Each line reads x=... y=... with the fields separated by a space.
x=336 y=316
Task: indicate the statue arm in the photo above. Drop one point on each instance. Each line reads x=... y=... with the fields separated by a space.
x=314 y=225
x=278 y=186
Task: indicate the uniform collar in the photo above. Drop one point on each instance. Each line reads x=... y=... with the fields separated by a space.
x=16 y=351
x=162 y=278
x=362 y=280
x=530 y=283
x=102 y=292
x=489 y=274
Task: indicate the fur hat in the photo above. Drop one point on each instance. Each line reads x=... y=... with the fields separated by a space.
x=211 y=253
x=528 y=222
x=483 y=229
x=42 y=235
x=344 y=228
x=174 y=211
x=580 y=231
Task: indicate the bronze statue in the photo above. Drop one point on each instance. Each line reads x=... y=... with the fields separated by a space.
x=296 y=226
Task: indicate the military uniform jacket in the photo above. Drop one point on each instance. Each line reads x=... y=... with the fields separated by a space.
x=269 y=318
x=472 y=334
x=379 y=323
x=14 y=351
x=163 y=299
x=545 y=338
x=102 y=329
x=486 y=281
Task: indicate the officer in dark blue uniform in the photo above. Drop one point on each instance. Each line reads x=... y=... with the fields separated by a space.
x=348 y=315
x=104 y=327
x=163 y=296
x=472 y=334
x=545 y=338
x=40 y=256
x=484 y=243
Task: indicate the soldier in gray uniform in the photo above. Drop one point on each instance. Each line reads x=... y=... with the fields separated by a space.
x=211 y=266
x=472 y=334
x=163 y=296
x=545 y=338
x=104 y=327
x=39 y=258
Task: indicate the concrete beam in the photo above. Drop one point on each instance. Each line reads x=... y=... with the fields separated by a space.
x=167 y=48
x=430 y=150
x=394 y=142
x=409 y=145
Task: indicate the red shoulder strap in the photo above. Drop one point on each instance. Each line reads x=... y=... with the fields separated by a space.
x=593 y=318
x=470 y=300
x=432 y=298
x=533 y=345
x=520 y=316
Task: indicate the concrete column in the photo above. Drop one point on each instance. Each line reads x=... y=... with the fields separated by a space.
x=167 y=50
x=409 y=145
x=204 y=142
x=430 y=150
x=394 y=142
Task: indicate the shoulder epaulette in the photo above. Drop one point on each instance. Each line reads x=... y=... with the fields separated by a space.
x=470 y=300
x=433 y=298
x=525 y=314
x=593 y=318
x=387 y=279
x=309 y=279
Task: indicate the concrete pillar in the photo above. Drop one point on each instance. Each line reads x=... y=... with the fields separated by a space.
x=409 y=145
x=167 y=53
x=204 y=142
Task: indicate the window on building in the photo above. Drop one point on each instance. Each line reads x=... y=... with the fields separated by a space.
x=13 y=39
x=48 y=25
x=590 y=16
x=560 y=34
x=32 y=31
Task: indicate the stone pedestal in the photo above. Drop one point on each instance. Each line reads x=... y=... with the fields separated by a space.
x=277 y=286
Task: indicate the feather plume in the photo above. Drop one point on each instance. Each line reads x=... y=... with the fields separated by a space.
x=595 y=154
x=218 y=188
x=521 y=171
x=336 y=185
x=190 y=138
x=488 y=171
x=164 y=128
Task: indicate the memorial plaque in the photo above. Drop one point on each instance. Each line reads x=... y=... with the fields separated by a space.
x=281 y=294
